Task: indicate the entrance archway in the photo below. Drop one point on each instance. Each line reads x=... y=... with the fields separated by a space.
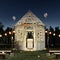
x=30 y=40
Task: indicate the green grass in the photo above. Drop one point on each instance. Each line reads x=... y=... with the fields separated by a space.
x=24 y=55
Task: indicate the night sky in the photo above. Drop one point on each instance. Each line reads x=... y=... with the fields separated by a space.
x=10 y=8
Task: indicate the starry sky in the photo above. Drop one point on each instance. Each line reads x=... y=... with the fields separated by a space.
x=17 y=8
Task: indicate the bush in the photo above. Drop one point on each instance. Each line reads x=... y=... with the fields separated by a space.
x=24 y=55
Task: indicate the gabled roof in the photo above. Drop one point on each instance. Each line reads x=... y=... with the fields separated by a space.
x=29 y=17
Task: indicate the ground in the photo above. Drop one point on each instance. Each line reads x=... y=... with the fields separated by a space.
x=37 y=55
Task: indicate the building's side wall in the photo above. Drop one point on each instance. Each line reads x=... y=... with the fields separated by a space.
x=19 y=37
x=42 y=43
x=40 y=37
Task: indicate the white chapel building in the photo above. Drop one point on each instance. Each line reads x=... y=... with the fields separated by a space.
x=30 y=33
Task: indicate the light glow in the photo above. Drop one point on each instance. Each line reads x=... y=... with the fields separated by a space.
x=49 y=32
x=9 y=32
x=54 y=34
x=59 y=35
x=5 y=34
x=46 y=31
x=13 y=31
x=0 y=35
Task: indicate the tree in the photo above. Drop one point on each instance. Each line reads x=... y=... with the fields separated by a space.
x=51 y=40
x=1 y=28
x=57 y=38
x=1 y=38
x=57 y=30
x=46 y=38
x=51 y=29
x=8 y=41
x=8 y=29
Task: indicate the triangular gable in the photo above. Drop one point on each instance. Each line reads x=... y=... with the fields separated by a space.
x=29 y=17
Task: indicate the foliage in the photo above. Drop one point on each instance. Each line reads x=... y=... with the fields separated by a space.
x=50 y=40
x=25 y=55
x=5 y=41
x=51 y=29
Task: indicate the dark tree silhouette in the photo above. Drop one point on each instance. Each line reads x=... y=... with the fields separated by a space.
x=1 y=28
x=46 y=38
x=8 y=29
x=1 y=33
x=8 y=40
x=57 y=38
x=57 y=30
x=51 y=40
x=51 y=29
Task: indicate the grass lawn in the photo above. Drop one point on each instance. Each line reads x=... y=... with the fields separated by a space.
x=36 y=55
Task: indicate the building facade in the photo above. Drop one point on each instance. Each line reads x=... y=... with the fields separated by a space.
x=30 y=33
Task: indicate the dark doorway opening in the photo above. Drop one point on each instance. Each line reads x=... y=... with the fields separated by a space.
x=30 y=40
x=29 y=35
